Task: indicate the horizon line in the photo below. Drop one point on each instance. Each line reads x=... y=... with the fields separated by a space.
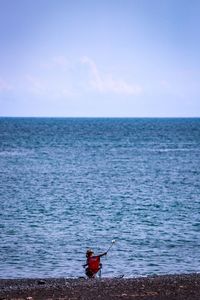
x=104 y=117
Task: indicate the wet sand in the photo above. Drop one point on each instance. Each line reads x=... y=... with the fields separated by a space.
x=166 y=287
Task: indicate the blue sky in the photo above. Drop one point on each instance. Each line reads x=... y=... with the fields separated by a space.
x=103 y=58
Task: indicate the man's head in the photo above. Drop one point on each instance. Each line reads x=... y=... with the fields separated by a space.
x=89 y=253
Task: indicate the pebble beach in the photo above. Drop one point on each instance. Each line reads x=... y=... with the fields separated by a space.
x=165 y=287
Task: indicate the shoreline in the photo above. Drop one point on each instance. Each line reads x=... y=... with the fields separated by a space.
x=161 y=287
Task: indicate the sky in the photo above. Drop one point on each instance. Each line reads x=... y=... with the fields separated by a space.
x=100 y=58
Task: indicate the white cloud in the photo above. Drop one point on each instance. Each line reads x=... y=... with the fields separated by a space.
x=106 y=83
x=48 y=87
x=60 y=78
x=36 y=85
x=59 y=61
x=165 y=84
x=4 y=86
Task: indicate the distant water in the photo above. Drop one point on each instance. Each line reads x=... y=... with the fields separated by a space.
x=70 y=184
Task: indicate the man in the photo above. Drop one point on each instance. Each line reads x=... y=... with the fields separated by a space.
x=93 y=263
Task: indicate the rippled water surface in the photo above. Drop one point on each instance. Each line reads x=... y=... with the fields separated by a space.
x=70 y=184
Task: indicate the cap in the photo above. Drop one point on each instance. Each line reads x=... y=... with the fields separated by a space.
x=89 y=251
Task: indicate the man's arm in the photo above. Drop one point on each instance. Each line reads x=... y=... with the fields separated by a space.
x=100 y=255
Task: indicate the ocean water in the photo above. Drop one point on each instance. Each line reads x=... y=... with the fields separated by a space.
x=69 y=184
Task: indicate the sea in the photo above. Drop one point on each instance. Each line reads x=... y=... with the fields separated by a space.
x=69 y=184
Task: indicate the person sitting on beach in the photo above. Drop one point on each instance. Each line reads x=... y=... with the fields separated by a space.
x=93 y=263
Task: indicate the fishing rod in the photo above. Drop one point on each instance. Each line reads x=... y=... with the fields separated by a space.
x=112 y=243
